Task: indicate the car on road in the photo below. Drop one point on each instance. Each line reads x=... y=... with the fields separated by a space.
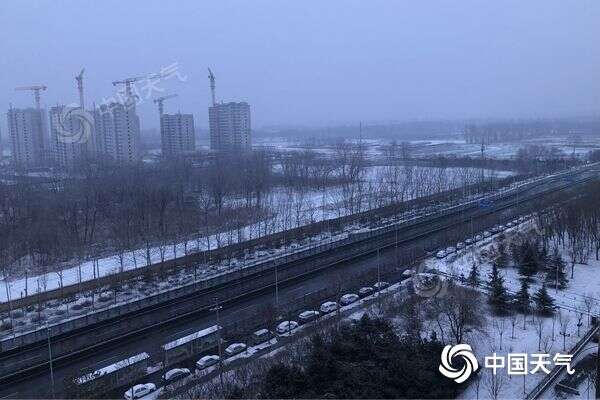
x=138 y=391
x=521 y=219
x=486 y=234
x=441 y=254
x=380 y=285
x=365 y=291
x=515 y=222
x=286 y=327
x=450 y=250
x=261 y=336
x=308 y=315
x=509 y=225
x=235 y=348
x=495 y=229
x=502 y=228
x=460 y=245
x=176 y=374
x=348 y=299
x=328 y=306
x=207 y=361
x=407 y=273
x=468 y=241
x=478 y=238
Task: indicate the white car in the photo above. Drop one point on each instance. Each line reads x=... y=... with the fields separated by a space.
x=441 y=254
x=176 y=374
x=509 y=225
x=286 y=327
x=348 y=299
x=407 y=273
x=486 y=234
x=450 y=250
x=207 y=361
x=328 y=306
x=521 y=219
x=515 y=222
x=478 y=238
x=140 y=390
x=468 y=241
x=235 y=348
x=502 y=227
x=460 y=245
x=380 y=285
x=307 y=316
x=365 y=291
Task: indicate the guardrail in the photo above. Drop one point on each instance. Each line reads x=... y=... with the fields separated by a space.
x=547 y=381
x=42 y=333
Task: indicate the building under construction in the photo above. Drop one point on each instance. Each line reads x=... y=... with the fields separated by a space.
x=229 y=123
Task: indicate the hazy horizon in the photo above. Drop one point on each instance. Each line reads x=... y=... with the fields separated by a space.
x=314 y=63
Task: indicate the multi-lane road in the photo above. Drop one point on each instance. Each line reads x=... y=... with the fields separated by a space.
x=436 y=231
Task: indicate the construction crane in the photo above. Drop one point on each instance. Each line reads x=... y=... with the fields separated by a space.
x=160 y=101
x=36 y=89
x=128 y=81
x=211 y=77
x=79 y=79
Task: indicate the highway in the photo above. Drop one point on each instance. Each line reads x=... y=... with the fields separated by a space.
x=36 y=383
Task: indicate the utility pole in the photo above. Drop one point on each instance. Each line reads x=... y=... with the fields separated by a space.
x=217 y=307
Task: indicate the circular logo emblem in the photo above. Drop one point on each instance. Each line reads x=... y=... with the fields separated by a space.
x=463 y=351
x=75 y=125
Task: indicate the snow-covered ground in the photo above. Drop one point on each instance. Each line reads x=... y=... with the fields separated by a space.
x=526 y=337
x=290 y=210
x=29 y=320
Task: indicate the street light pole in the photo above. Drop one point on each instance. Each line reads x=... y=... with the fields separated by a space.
x=276 y=290
x=50 y=357
x=598 y=367
x=216 y=309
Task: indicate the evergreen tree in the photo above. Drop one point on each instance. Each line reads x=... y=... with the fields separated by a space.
x=543 y=302
x=502 y=257
x=522 y=297
x=473 y=279
x=529 y=261
x=555 y=271
x=498 y=294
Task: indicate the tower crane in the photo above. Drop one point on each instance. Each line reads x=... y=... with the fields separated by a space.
x=128 y=81
x=79 y=79
x=211 y=78
x=36 y=89
x=160 y=101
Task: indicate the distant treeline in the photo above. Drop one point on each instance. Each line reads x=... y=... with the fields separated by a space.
x=507 y=131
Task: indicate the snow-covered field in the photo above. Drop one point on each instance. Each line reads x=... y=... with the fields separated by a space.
x=455 y=145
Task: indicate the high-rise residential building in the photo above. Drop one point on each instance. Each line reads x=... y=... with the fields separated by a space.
x=229 y=126
x=117 y=131
x=27 y=133
x=71 y=138
x=177 y=134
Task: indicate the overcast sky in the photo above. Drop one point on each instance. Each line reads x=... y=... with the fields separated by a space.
x=314 y=62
